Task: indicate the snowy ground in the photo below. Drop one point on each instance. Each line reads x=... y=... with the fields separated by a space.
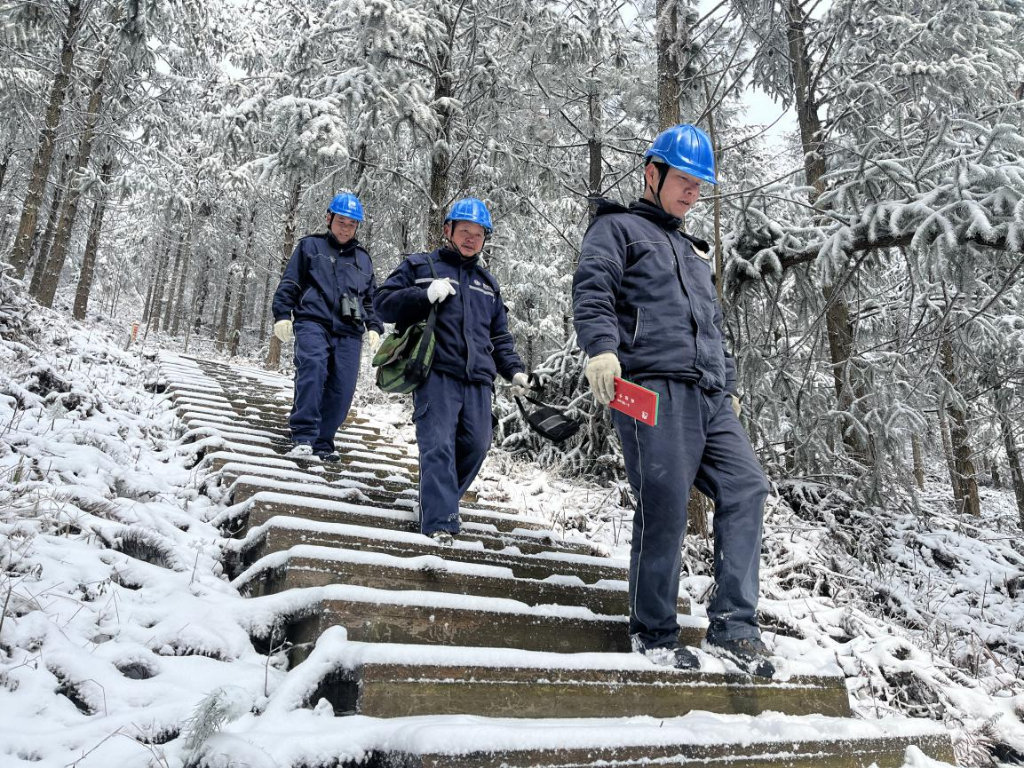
x=122 y=643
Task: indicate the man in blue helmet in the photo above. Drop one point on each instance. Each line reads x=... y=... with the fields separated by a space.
x=645 y=308
x=452 y=408
x=328 y=289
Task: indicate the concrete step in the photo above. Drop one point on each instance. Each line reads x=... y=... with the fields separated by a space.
x=698 y=739
x=384 y=680
x=244 y=489
x=438 y=618
x=279 y=534
x=384 y=495
x=253 y=464
x=475 y=526
x=886 y=752
x=222 y=413
x=318 y=566
x=352 y=457
x=344 y=443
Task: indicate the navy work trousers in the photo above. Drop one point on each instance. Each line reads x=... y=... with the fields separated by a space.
x=698 y=441
x=453 y=431
x=326 y=368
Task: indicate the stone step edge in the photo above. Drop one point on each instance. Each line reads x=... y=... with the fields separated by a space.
x=254 y=485
x=314 y=554
x=254 y=535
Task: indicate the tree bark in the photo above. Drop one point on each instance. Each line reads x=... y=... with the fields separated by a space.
x=166 y=303
x=47 y=141
x=667 y=29
x=41 y=246
x=440 y=155
x=92 y=245
x=55 y=262
x=959 y=433
x=837 y=314
x=180 y=284
x=1013 y=459
x=225 y=307
x=156 y=281
x=5 y=163
x=915 y=446
x=236 y=323
x=274 y=353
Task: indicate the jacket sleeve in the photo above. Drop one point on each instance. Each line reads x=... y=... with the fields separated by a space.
x=506 y=359
x=289 y=290
x=730 y=361
x=595 y=287
x=399 y=300
x=370 y=318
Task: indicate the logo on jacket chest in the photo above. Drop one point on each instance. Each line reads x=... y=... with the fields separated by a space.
x=479 y=285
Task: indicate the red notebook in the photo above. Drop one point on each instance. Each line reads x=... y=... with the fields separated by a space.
x=635 y=401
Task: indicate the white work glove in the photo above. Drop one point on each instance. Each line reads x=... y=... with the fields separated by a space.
x=601 y=372
x=521 y=384
x=372 y=341
x=283 y=330
x=735 y=405
x=439 y=290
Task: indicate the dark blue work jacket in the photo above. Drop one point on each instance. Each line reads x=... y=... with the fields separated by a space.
x=472 y=340
x=643 y=291
x=320 y=273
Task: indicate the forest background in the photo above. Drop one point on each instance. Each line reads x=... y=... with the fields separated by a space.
x=159 y=160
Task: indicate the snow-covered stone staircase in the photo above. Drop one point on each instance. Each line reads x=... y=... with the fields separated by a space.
x=509 y=649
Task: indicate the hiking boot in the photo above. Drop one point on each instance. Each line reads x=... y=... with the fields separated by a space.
x=301 y=451
x=750 y=654
x=671 y=655
x=443 y=538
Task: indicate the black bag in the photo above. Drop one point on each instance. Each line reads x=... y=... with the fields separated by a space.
x=550 y=423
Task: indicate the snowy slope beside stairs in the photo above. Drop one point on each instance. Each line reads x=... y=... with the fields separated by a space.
x=508 y=649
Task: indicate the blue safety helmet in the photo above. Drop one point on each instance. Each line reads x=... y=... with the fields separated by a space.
x=686 y=148
x=346 y=204
x=470 y=209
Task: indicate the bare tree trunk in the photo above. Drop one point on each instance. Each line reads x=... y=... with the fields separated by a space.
x=202 y=292
x=440 y=156
x=163 y=309
x=267 y=301
x=1013 y=459
x=47 y=141
x=915 y=446
x=181 y=283
x=156 y=281
x=837 y=314
x=667 y=30
x=8 y=151
x=947 y=451
x=274 y=353
x=595 y=149
x=963 y=463
x=55 y=261
x=41 y=246
x=93 y=243
x=236 y=323
x=225 y=307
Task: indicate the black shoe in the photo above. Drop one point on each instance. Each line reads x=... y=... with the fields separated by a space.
x=750 y=654
x=331 y=456
x=671 y=655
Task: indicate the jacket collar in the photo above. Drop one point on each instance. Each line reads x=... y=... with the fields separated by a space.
x=656 y=214
x=333 y=242
x=453 y=257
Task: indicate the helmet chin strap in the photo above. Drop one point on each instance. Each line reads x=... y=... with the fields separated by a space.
x=662 y=173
